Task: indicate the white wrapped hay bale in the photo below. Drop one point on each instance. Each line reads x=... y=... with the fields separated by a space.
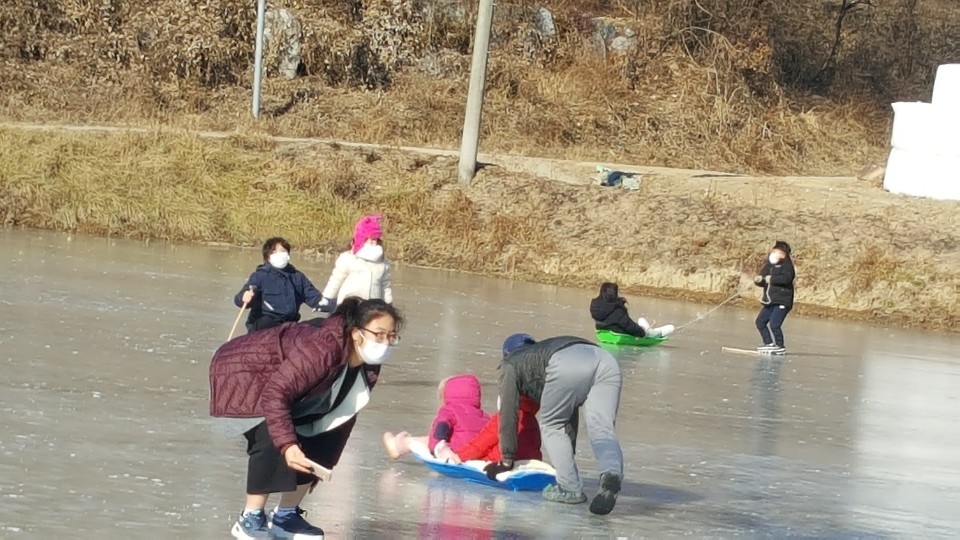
x=925 y=159
x=923 y=174
x=946 y=88
x=925 y=127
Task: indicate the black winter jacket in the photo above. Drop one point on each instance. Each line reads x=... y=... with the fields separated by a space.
x=780 y=289
x=524 y=372
x=613 y=316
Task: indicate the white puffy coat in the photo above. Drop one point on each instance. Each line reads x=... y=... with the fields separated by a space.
x=353 y=276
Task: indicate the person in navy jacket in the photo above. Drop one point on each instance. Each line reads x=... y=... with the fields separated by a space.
x=275 y=291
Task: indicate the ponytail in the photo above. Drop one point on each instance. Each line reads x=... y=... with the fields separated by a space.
x=348 y=310
x=357 y=312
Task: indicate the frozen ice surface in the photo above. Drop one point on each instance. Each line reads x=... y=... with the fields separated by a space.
x=104 y=430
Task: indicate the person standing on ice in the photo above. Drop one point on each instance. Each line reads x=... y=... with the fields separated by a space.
x=609 y=312
x=776 y=277
x=363 y=271
x=307 y=382
x=275 y=291
x=563 y=374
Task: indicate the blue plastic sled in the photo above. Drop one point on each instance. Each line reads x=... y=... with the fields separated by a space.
x=521 y=481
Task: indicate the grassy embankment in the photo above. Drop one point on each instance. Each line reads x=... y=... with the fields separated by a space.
x=874 y=257
x=728 y=85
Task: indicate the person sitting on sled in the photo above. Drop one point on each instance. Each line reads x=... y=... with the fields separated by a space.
x=485 y=446
x=457 y=422
x=609 y=312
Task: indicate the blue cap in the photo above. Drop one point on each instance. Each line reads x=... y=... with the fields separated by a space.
x=517 y=341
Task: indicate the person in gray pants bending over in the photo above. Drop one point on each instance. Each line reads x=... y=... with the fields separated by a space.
x=563 y=374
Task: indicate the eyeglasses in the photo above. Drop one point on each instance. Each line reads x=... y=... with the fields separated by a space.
x=391 y=338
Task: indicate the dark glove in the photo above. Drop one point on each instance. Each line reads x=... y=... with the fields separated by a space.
x=325 y=305
x=495 y=468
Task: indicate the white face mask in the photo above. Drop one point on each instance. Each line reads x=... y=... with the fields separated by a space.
x=370 y=252
x=774 y=258
x=373 y=352
x=279 y=259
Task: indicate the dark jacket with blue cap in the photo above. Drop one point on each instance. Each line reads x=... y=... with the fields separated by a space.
x=524 y=371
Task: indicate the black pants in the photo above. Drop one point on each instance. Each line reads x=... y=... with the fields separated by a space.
x=266 y=321
x=267 y=470
x=773 y=315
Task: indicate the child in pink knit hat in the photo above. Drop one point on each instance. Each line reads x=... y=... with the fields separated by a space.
x=362 y=271
x=368 y=228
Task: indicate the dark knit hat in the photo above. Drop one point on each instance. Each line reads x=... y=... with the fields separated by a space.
x=782 y=246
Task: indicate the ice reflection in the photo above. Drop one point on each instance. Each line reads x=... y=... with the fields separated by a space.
x=105 y=346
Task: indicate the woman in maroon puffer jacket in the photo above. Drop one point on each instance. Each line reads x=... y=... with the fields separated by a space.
x=307 y=382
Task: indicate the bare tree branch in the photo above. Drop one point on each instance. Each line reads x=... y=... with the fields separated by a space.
x=846 y=7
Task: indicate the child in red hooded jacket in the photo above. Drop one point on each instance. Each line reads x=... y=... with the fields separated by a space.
x=458 y=421
x=486 y=445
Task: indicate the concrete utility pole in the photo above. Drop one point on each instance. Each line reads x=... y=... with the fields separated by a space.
x=478 y=74
x=258 y=57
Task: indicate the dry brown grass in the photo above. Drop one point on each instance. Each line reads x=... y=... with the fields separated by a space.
x=161 y=186
x=861 y=253
x=713 y=85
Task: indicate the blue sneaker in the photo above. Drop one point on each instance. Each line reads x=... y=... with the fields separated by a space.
x=294 y=526
x=252 y=525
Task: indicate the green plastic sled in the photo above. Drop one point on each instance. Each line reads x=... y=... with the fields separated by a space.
x=614 y=338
